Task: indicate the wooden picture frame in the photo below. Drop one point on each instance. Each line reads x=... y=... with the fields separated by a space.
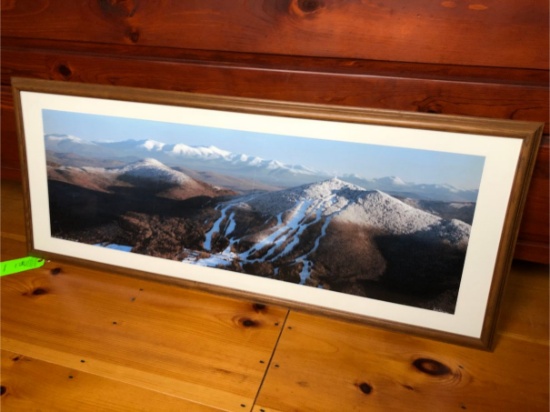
x=349 y=212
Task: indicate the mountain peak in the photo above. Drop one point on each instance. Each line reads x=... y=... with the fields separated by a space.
x=391 y=180
x=152 y=145
x=58 y=138
x=149 y=161
x=207 y=152
x=329 y=187
x=152 y=169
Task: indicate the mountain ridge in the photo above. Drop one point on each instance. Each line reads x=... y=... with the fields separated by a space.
x=347 y=203
x=269 y=172
x=149 y=174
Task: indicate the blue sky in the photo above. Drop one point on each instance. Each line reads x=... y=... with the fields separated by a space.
x=369 y=161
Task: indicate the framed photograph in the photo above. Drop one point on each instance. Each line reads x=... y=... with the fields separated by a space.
x=402 y=220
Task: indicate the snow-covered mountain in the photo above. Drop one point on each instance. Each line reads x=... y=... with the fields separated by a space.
x=267 y=172
x=396 y=186
x=199 y=158
x=147 y=174
x=340 y=201
x=145 y=169
x=152 y=170
x=338 y=236
x=64 y=142
x=291 y=225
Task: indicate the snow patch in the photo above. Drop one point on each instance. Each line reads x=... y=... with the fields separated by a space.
x=114 y=246
x=65 y=138
x=382 y=211
x=152 y=145
x=210 y=152
x=152 y=169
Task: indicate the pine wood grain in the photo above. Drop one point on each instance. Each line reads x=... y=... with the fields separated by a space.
x=438 y=94
x=323 y=365
x=536 y=219
x=343 y=65
x=29 y=384
x=483 y=33
x=183 y=343
x=12 y=221
x=525 y=311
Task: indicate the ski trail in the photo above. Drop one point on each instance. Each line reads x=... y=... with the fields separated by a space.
x=215 y=228
x=282 y=232
x=308 y=265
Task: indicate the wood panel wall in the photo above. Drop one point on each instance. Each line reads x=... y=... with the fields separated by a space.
x=467 y=57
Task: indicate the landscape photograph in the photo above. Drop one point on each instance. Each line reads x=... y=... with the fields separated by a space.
x=382 y=222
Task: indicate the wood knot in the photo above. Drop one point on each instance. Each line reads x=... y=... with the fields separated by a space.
x=55 y=271
x=64 y=70
x=365 y=388
x=429 y=105
x=3 y=390
x=133 y=35
x=431 y=367
x=434 y=108
x=36 y=292
x=39 y=291
x=119 y=8
x=259 y=307
x=248 y=323
x=305 y=8
x=309 y=6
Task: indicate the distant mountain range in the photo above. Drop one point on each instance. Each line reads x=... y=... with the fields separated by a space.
x=236 y=170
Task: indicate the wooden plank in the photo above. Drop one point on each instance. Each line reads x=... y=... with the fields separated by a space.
x=524 y=314
x=12 y=217
x=207 y=349
x=13 y=243
x=31 y=384
x=342 y=65
x=461 y=96
x=535 y=225
x=9 y=155
x=12 y=246
x=486 y=33
x=326 y=365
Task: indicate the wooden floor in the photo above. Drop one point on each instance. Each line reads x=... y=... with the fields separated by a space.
x=76 y=339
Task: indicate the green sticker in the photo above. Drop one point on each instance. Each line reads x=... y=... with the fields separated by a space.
x=20 y=265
